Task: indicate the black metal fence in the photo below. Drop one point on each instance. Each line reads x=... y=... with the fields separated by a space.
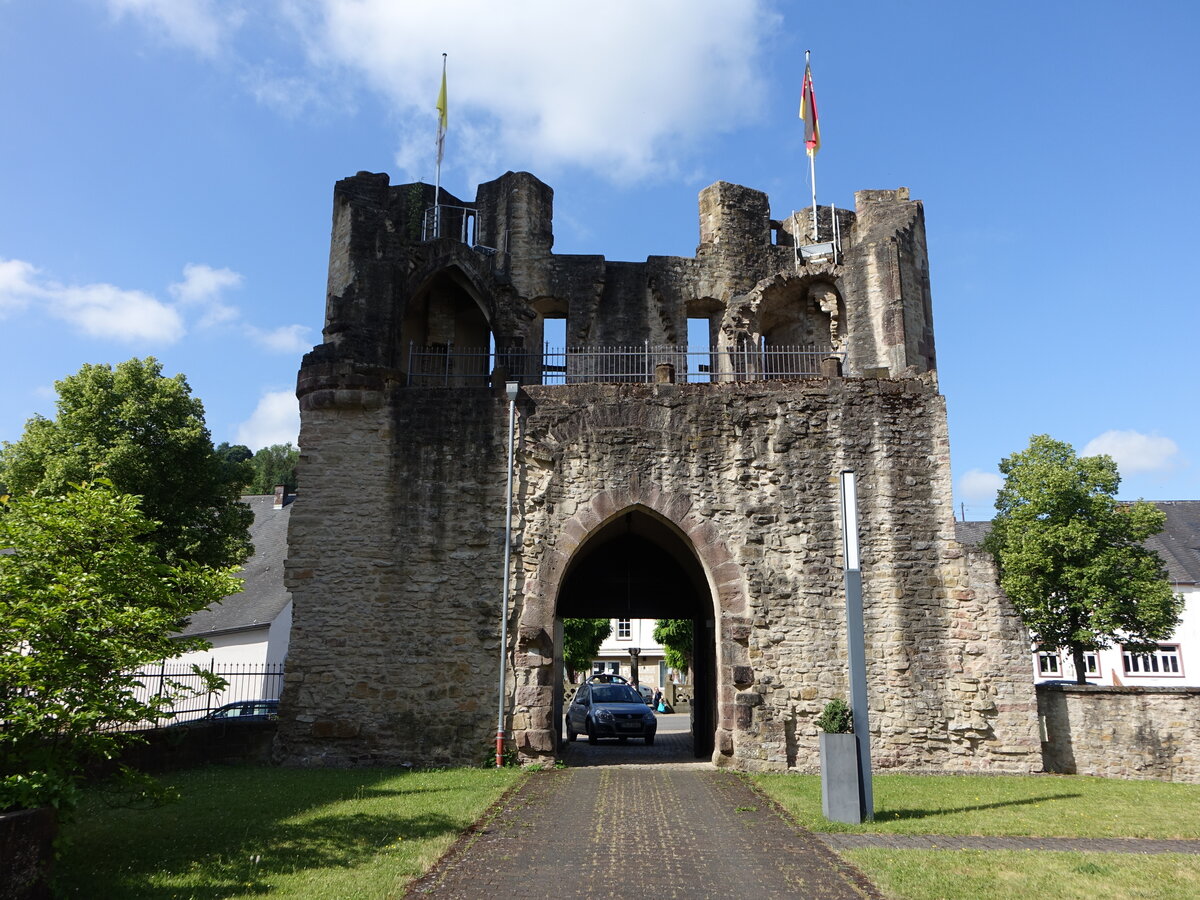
x=446 y=365
x=180 y=682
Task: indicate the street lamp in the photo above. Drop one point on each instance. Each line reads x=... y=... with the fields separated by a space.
x=511 y=389
x=634 y=653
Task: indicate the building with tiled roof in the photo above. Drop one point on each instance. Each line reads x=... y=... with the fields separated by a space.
x=1177 y=661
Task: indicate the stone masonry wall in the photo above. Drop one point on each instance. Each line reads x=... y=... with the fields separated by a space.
x=1124 y=732
x=750 y=474
x=395 y=646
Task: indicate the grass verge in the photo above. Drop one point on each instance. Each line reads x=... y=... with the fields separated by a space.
x=1041 y=806
x=245 y=832
x=1004 y=874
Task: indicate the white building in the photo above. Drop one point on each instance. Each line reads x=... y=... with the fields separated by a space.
x=249 y=630
x=614 y=655
x=1176 y=662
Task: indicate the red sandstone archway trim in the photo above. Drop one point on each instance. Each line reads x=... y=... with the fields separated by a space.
x=724 y=574
x=534 y=658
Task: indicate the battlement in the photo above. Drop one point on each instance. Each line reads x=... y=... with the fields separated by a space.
x=468 y=282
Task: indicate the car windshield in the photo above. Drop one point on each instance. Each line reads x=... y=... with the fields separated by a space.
x=615 y=693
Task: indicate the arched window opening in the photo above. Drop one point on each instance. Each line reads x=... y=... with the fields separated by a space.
x=445 y=336
x=798 y=328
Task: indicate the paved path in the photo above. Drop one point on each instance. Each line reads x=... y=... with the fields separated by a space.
x=663 y=831
x=975 y=842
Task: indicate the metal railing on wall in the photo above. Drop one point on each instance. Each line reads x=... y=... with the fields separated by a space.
x=179 y=681
x=440 y=365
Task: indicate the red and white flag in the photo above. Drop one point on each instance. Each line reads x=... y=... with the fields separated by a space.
x=808 y=112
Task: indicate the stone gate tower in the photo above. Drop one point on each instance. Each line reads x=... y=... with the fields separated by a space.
x=650 y=481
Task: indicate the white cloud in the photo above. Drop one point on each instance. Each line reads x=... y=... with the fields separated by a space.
x=97 y=310
x=16 y=284
x=609 y=86
x=285 y=339
x=977 y=487
x=201 y=283
x=276 y=420
x=1134 y=451
x=202 y=286
x=106 y=311
x=199 y=25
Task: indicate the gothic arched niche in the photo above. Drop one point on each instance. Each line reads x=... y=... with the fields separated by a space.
x=446 y=316
x=807 y=315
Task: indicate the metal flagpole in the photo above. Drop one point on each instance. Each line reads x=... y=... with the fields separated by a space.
x=812 y=171
x=441 y=142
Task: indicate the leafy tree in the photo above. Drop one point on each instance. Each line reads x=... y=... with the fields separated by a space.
x=237 y=458
x=274 y=465
x=676 y=637
x=1071 y=557
x=581 y=641
x=145 y=433
x=84 y=601
x=234 y=453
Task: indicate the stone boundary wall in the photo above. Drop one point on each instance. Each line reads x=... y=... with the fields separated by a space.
x=1125 y=732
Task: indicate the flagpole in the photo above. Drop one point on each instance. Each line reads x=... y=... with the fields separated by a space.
x=437 y=185
x=812 y=168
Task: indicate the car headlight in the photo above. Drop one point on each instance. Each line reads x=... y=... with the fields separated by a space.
x=603 y=715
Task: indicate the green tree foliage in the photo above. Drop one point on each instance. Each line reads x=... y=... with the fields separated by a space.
x=274 y=465
x=234 y=453
x=237 y=458
x=145 y=433
x=84 y=601
x=676 y=637
x=1071 y=557
x=581 y=641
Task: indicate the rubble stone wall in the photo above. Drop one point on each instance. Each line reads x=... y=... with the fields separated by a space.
x=1124 y=732
x=395 y=647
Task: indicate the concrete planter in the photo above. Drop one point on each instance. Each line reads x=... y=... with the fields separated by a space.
x=841 y=790
x=26 y=851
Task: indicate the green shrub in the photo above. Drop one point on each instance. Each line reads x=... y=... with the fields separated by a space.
x=836 y=718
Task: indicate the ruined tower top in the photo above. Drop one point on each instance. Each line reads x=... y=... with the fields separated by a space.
x=457 y=289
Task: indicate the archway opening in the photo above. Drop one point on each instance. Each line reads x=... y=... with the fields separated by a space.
x=445 y=332
x=638 y=566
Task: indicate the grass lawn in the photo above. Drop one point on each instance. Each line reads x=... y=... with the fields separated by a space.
x=249 y=831
x=1005 y=874
x=1042 y=806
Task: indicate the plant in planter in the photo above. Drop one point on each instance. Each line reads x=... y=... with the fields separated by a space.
x=841 y=784
x=836 y=718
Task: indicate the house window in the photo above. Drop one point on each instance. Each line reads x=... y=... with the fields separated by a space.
x=624 y=629
x=1091 y=664
x=1163 y=661
x=1047 y=663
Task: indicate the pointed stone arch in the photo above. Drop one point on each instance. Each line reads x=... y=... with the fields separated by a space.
x=449 y=308
x=538 y=692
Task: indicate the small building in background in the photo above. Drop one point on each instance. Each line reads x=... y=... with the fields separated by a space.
x=614 y=655
x=1176 y=662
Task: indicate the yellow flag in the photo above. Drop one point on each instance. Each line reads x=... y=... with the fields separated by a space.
x=443 y=120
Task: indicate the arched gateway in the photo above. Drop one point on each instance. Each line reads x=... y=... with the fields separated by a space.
x=650 y=480
x=649 y=559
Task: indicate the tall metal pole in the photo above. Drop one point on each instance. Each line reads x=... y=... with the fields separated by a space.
x=510 y=389
x=856 y=643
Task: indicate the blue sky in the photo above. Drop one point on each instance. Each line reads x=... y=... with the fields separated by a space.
x=167 y=166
